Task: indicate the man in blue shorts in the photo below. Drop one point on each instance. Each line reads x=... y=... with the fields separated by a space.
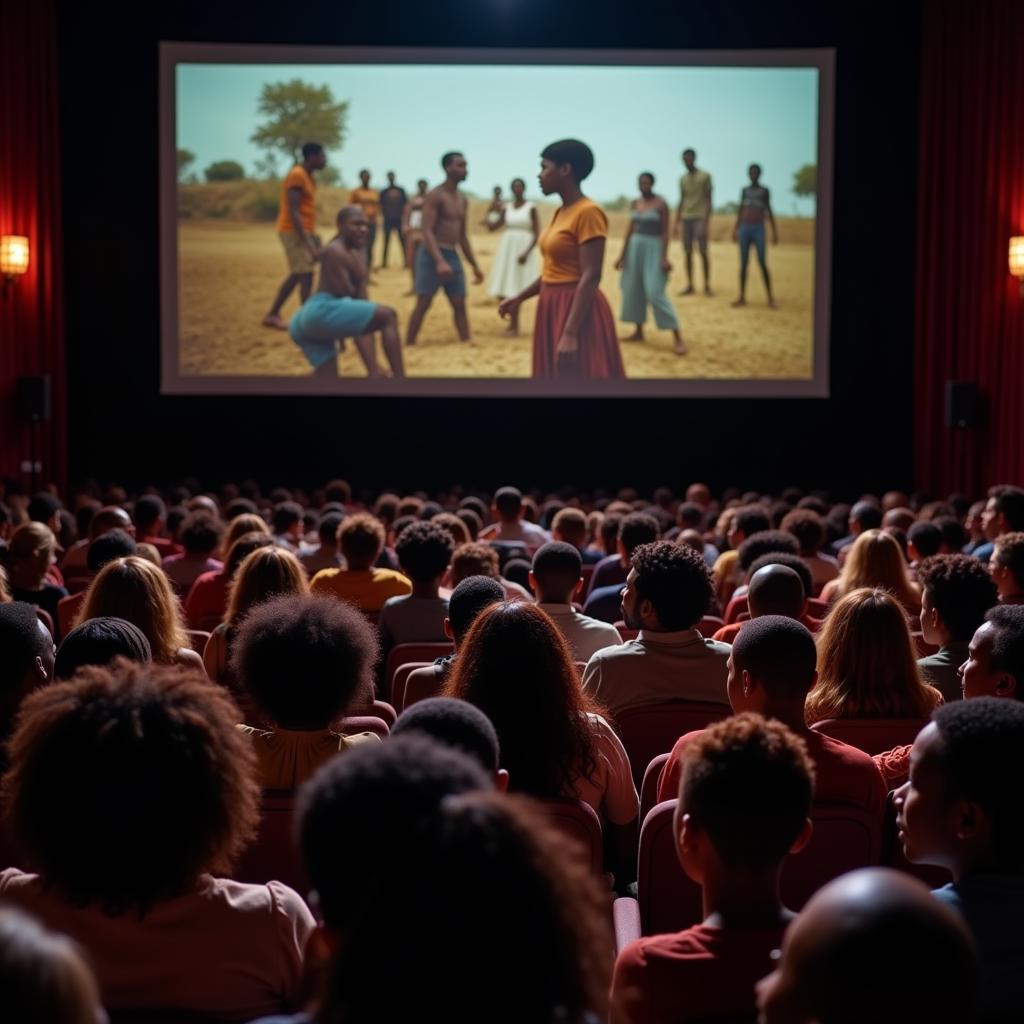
x=437 y=264
x=339 y=308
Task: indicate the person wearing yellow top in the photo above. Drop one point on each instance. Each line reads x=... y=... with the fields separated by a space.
x=574 y=333
x=361 y=539
x=296 y=221
x=368 y=200
x=694 y=218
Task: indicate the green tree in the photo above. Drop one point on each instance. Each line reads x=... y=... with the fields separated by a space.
x=225 y=170
x=805 y=181
x=297 y=112
x=265 y=169
x=185 y=158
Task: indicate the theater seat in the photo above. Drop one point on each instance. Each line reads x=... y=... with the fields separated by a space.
x=710 y=625
x=817 y=608
x=652 y=730
x=398 y=681
x=649 y=787
x=845 y=838
x=580 y=823
x=403 y=654
x=417 y=689
x=273 y=855
x=734 y=607
x=352 y=724
x=377 y=709
x=198 y=639
x=872 y=735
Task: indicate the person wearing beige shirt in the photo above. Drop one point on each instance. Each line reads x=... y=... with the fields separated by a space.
x=693 y=219
x=667 y=591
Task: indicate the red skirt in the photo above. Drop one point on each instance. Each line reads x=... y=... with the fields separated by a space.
x=598 y=356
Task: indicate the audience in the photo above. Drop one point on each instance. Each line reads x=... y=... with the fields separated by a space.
x=200 y=535
x=1003 y=513
x=207 y=601
x=303 y=662
x=872 y=945
x=98 y=642
x=1007 y=567
x=132 y=793
x=604 y=599
x=743 y=523
x=73 y=564
x=875 y=560
x=961 y=811
x=137 y=591
x=27 y=662
x=570 y=526
x=106 y=548
x=286 y=524
x=667 y=592
x=865 y=515
x=773 y=590
x=924 y=539
x=266 y=572
x=956 y=592
x=743 y=805
x=556 y=580
x=806 y=525
x=150 y=515
x=772 y=667
x=43 y=975
x=509 y=523
x=499 y=920
x=30 y=555
x=361 y=538
x=515 y=666
x=424 y=551
x=478 y=559
x=327 y=554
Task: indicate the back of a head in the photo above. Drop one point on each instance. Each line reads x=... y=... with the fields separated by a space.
x=424 y=550
x=43 y=507
x=469 y=598
x=43 y=975
x=517 y=668
x=475 y=559
x=690 y=516
x=304 y=659
x=509 y=502
x=875 y=945
x=147 y=512
x=751 y=519
x=570 y=525
x=285 y=515
x=982 y=749
x=677 y=582
x=867 y=515
x=791 y=561
x=456 y=724
x=637 y=528
x=22 y=641
x=779 y=653
x=327 y=528
x=876 y=560
x=108 y=546
x=926 y=538
x=748 y=783
x=266 y=572
x=807 y=527
x=201 y=533
x=776 y=590
x=361 y=538
x=556 y=569
x=242 y=525
x=98 y=642
x=244 y=546
x=1007 y=653
x=960 y=589
x=129 y=783
x=766 y=542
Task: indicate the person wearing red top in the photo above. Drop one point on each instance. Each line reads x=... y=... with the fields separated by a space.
x=771 y=669
x=150 y=515
x=774 y=590
x=744 y=798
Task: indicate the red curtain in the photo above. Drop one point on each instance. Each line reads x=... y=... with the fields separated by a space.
x=970 y=312
x=31 y=320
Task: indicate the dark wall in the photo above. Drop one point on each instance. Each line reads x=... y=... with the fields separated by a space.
x=123 y=429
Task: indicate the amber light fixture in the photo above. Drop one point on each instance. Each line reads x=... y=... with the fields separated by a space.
x=13 y=256
x=1017 y=260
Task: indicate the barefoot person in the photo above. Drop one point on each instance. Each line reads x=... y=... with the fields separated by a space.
x=755 y=207
x=437 y=261
x=515 y=262
x=645 y=266
x=392 y=206
x=296 y=219
x=412 y=230
x=574 y=333
x=340 y=309
x=694 y=218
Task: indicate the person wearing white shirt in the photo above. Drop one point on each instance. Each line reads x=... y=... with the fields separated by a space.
x=510 y=526
x=556 y=578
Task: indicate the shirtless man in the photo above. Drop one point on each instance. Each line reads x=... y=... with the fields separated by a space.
x=339 y=309
x=437 y=260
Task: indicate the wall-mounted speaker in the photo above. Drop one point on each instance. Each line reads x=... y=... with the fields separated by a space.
x=962 y=405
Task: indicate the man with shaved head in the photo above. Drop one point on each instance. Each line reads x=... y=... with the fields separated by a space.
x=872 y=946
x=772 y=666
x=340 y=309
x=774 y=590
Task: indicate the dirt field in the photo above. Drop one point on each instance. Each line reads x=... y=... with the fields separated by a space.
x=230 y=270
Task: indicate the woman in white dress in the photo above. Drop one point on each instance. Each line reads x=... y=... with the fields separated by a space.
x=515 y=263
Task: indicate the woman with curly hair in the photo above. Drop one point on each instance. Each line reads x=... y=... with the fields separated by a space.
x=500 y=921
x=867 y=665
x=132 y=793
x=516 y=666
x=875 y=560
x=137 y=591
x=264 y=573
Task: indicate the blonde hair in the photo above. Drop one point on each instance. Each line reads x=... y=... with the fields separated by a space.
x=136 y=590
x=866 y=663
x=264 y=573
x=247 y=522
x=29 y=541
x=875 y=560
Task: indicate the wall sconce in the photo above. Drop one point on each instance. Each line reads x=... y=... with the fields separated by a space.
x=1017 y=260
x=13 y=257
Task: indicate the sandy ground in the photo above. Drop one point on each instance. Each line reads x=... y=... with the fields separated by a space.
x=230 y=271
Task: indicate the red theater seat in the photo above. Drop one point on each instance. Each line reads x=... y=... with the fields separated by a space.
x=198 y=639
x=398 y=681
x=649 y=787
x=872 y=735
x=417 y=689
x=578 y=821
x=402 y=654
x=273 y=855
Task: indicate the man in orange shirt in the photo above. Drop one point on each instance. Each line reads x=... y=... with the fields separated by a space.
x=368 y=200
x=296 y=220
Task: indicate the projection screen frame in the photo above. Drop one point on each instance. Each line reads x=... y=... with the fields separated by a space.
x=172 y=382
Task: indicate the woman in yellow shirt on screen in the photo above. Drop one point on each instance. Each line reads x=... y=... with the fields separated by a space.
x=574 y=334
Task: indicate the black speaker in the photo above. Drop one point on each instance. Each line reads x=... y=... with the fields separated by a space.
x=32 y=398
x=961 y=404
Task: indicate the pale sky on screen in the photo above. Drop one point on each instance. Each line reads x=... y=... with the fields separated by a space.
x=403 y=117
